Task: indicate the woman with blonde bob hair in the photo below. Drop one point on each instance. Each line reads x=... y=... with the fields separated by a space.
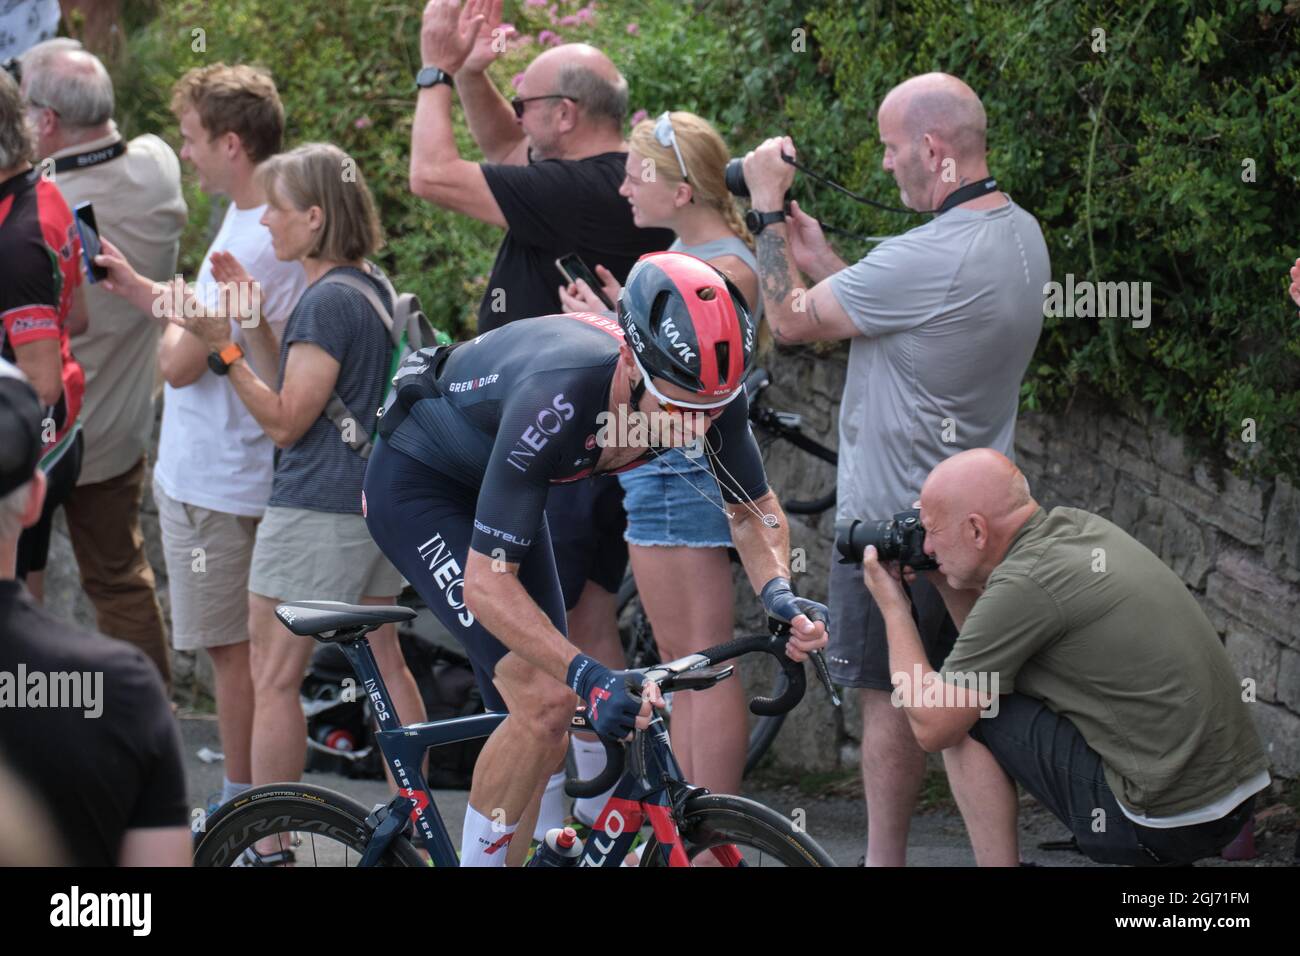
x=678 y=533
x=312 y=542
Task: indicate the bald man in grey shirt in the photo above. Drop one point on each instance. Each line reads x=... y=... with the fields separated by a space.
x=942 y=321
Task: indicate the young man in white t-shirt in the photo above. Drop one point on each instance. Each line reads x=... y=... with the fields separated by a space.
x=213 y=475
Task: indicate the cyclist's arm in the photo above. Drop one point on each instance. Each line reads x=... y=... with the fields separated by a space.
x=764 y=551
x=510 y=515
x=495 y=596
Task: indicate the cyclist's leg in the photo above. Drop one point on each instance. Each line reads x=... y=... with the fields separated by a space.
x=424 y=524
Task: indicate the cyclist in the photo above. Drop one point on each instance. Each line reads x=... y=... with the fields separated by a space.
x=472 y=437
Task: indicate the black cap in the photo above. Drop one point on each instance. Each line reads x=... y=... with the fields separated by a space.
x=20 y=429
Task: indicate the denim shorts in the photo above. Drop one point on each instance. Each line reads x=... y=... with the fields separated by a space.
x=673 y=501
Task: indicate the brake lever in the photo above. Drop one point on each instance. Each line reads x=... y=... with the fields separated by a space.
x=824 y=675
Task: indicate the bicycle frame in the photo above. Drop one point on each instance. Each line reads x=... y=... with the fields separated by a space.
x=650 y=789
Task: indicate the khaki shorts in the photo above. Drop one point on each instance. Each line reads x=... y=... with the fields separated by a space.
x=207 y=555
x=305 y=555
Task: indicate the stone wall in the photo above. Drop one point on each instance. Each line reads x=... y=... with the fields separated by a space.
x=1234 y=543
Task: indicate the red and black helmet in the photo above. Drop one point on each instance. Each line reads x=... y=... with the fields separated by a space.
x=686 y=323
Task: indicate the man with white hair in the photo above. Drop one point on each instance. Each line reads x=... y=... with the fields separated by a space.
x=1116 y=704
x=942 y=321
x=135 y=188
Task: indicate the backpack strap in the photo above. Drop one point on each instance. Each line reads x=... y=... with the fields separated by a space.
x=371 y=296
x=336 y=410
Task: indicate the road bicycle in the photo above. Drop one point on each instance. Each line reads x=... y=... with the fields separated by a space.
x=317 y=826
x=635 y=632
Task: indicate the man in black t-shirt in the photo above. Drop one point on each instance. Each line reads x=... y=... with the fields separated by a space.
x=556 y=157
x=555 y=154
x=84 y=721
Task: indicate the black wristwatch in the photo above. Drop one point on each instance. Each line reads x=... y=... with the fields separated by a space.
x=432 y=76
x=757 y=221
x=220 y=362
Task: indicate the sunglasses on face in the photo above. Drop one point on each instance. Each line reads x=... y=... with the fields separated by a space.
x=519 y=104
x=677 y=406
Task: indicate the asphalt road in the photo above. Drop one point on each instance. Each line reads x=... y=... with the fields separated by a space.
x=838 y=823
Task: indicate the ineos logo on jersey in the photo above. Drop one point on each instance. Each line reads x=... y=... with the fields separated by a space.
x=674 y=336
x=448 y=576
x=535 y=437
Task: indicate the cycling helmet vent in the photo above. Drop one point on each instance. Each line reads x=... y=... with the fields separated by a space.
x=723 y=351
x=707 y=293
x=657 y=310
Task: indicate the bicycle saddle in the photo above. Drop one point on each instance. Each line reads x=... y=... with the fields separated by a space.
x=314 y=618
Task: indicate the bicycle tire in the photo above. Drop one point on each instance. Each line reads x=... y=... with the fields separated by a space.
x=712 y=820
x=299 y=808
x=639 y=650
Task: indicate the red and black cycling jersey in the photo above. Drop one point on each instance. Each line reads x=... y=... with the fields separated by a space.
x=41 y=255
x=519 y=408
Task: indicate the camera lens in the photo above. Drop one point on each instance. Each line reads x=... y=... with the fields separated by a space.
x=734 y=177
x=852 y=537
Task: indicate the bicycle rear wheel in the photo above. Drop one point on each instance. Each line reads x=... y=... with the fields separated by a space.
x=722 y=830
x=320 y=827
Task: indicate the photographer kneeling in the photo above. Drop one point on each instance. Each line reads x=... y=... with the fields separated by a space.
x=1113 y=700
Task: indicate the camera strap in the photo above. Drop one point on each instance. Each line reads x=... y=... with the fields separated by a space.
x=92 y=158
x=966 y=193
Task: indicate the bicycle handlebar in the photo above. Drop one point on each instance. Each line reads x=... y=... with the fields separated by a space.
x=685 y=671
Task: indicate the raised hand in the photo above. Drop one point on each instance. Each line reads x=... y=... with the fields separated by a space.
x=491 y=38
x=448 y=33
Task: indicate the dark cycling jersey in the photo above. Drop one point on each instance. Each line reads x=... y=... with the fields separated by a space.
x=516 y=410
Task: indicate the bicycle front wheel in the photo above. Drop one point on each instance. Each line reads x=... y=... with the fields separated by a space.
x=316 y=826
x=721 y=830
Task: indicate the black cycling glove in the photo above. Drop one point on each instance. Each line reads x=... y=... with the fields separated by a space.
x=611 y=707
x=780 y=601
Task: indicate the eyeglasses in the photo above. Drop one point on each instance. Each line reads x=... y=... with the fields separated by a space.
x=519 y=104
x=667 y=136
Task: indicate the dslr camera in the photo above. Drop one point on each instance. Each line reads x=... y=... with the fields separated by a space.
x=734 y=177
x=900 y=538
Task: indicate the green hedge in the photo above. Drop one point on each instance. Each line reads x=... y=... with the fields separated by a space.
x=1132 y=158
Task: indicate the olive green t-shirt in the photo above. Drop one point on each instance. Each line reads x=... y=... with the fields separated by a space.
x=1084 y=618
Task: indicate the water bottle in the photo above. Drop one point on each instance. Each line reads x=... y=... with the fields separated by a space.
x=560 y=848
x=335 y=738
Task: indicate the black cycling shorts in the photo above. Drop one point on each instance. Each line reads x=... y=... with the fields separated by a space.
x=587 y=522
x=423 y=522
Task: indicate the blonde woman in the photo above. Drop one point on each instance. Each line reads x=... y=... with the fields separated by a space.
x=312 y=542
x=677 y=528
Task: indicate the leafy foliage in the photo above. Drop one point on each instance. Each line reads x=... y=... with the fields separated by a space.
x=1131 y=145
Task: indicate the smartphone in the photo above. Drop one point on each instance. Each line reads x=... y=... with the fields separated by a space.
x=573 y=268
x=90 y=247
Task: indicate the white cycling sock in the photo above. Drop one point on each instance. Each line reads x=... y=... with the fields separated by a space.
x=589 y=756
x=552 y=812
x=484 y=841
x=231 y=790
